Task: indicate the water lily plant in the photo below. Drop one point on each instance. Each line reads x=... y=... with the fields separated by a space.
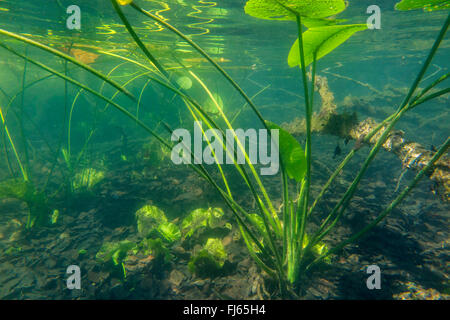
x=275 y=238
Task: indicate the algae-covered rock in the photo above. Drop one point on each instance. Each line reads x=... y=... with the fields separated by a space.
x=169 y=231
x=152 y=222
x=201 y=218
x=148 y=219
x=210 y=260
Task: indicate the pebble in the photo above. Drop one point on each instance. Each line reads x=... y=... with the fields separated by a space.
x=380 y=184
x=50 y=263
x=176 y=277
x=371 y=197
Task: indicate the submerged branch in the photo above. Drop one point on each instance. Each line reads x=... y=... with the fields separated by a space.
x=345 y=125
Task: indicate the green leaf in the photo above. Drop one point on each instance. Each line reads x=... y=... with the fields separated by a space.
x=321 y=41
x=257 y=221
x=291 y=153
x=195 y=220
x=275 y=9
x=209 y=261
x=217 y=250
x=169 y=231
x=313 y=22
x=426 y=5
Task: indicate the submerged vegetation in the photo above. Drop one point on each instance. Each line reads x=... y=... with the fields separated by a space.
x=277 y=232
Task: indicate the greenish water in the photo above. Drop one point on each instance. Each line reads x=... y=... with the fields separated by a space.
x=95 y=167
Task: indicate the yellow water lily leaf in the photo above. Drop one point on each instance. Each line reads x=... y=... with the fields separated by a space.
x=124 y=2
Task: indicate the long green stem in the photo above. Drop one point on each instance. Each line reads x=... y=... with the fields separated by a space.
x=401 y=110
x=137 y=40
x=89 y=89
x=298 y=231
x=217 y=161
x=431 y=86
x=340 y=207
x=197 y=107
x=273 y=218
x=392 y=205
x=203 y=114
x=67 y=58
x=265 y=214
x=138 y=106
x=234 y=207
x=5 y=150
x=206 y=56
x=19 y=162
x=429 y=97
x=161 y=69
x=21 y=125
x=427 y=62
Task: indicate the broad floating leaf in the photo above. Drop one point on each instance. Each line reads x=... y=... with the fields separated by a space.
x=275 y=9
x=426 y=5
x=321 y=41
x=124 y=2
x=313 y=22
x=291 y=153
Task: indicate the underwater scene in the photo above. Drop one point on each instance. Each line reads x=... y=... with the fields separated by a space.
x=218 y=150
